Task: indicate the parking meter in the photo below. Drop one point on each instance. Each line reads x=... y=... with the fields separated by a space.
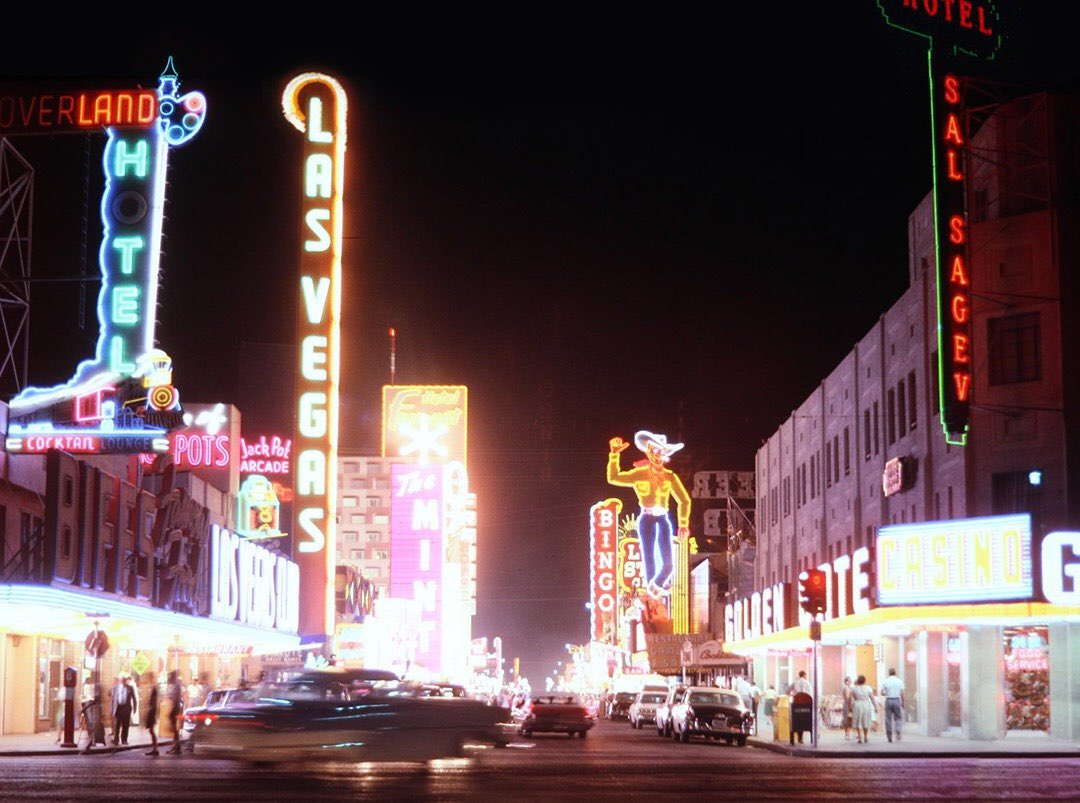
x=71 y=678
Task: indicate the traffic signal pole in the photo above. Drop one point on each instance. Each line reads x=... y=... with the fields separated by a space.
x=817 y=705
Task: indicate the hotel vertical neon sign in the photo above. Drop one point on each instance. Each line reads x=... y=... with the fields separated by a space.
x=316 y=105
x=968 y=28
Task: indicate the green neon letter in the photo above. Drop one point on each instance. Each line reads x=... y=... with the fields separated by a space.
x=116 y=356
x=127 y=246
x=136 y=160
x=125 y=304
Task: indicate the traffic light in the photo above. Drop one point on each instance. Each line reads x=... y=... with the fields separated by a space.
x=812 y=591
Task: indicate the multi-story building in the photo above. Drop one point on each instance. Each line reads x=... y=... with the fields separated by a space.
x=864 y=457
x=364 y=517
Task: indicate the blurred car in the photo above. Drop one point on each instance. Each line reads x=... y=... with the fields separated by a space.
x=619 y=705
x=663 y=710
x=643 y=709
x=203 y=715
x=713 y=713
x=348 y=715
x=557 y=714
x=445 y=690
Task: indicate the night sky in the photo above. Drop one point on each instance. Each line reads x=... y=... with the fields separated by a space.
x=599 y=226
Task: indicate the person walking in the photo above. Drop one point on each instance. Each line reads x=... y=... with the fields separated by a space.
x=845 y=707
x=862 y=708
x=800 y=685
x=152 y=705
x=176 y=707
x=123 y=705
x=892 y=689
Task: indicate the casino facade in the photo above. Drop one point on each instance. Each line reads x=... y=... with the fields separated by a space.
x=956 y=565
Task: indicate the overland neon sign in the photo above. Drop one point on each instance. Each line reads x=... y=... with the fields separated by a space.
x=316 y=106
x=951 y=28
x=121 y=400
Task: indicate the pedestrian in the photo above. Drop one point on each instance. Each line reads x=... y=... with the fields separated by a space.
x=768 y=707
x=892 y=689
x=862 y=708
x=92 y=710
x=800 y=685
x=845 y=711
x=176 y=707
x=123 y=706
x=117 y=683
x=152 y=714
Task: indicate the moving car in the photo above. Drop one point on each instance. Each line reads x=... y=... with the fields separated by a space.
x=348 y=715
x=663 y=710
x=713 y=713
x=557 y=714
x=204 y=715
x=643 y=709
x=619 y=705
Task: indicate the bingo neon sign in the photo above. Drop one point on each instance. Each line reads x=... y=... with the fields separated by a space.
x=603 y=541
x=121 y=400
x=316 y=105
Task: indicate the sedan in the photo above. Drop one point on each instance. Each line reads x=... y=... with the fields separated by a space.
x=320 y=716
x=712 y=713
x=643 y=709
x=663 y=710
x=205 y=714
x=557 y=715
x=619 y=705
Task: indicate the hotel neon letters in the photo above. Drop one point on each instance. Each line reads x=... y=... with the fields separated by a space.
x=316 y=105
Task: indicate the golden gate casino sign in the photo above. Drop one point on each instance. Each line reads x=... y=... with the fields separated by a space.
x=603 y=538
x=316 y=105
x=954 y=29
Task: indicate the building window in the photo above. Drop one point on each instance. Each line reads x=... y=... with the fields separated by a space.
x=935 y=401
x=348 y=501
x=373 y=501
x=373 y=537
x=950 y=507
x=866 y=431
x=890 y=413
x=813 y=476
x=913 y=416
x=827 y=466
x=901 y=408
x=351 y=466
x=847 y=452
x=1014 y=349
x=1012 y=492
x=381 y=554
x=836 y=458
x=357 y=554
x=787 y=496
x=877 y=429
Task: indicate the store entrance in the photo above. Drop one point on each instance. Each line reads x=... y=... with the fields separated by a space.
x=1027 y=679
x=954 y=687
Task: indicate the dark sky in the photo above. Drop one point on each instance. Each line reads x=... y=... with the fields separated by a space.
x=669 y=223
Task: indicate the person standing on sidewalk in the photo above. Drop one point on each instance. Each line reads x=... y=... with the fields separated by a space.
x=862 y=697
x=893 y=692
x=152 y=714
x=845 y=709
x=123 y=705
x=176 y=707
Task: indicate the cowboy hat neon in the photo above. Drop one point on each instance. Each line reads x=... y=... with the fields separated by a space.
x=643 y=439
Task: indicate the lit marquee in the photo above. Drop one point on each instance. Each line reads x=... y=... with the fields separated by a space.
x=316 y=105
x=122 y=400
x=425 y=423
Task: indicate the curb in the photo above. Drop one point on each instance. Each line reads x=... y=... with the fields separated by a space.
x=810 y=752
x=74 y=751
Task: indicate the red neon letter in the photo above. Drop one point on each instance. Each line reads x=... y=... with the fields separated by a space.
x=960 y=308
x=66 y=106
x=952 y=89
x=959 y=351
x=954 y=171
x=958 y=275
x=83 y=119
x=957 y=236
x=963 y=385
x=982 y=23
x=965 y=13
x=952 y=130
x=147 y=108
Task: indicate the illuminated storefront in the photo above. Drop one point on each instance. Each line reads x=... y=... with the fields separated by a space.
x=982 y=627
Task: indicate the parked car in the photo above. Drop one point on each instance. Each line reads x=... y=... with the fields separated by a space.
x=348 y=715
x=557 y=714
x=619 y=705
x=713 y=713
x=663 y=710
x=643 y=709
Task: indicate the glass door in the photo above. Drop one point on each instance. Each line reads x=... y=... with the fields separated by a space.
x=954 y=687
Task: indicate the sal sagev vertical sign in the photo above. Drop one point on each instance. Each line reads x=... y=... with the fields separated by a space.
x=316 y=105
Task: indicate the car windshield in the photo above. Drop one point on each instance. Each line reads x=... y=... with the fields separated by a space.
x=652 y=698
x=713 y=697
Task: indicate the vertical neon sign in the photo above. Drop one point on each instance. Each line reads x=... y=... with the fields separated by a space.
x=973 y=29
x=316 y=105
x=603 y=538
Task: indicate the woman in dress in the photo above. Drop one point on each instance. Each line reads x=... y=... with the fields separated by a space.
x=862 y=709
x=845 y=711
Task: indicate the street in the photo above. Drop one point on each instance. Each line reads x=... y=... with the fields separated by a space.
x=614 y=762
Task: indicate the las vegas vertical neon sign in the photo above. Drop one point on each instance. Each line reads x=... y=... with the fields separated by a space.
x=316 y=105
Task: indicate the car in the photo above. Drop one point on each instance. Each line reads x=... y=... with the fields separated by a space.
x=348 y=715
x=203 y=715
x=663 y=710
x=643 y=709
x=445 y=690
x=619 y=705
x=713 y=713
x=557 y=714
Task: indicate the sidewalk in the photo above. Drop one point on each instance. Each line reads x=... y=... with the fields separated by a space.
x=45 y=744
x=913 y=745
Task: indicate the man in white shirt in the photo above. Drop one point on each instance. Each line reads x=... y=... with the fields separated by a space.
x=800 y=685
x=892 y=689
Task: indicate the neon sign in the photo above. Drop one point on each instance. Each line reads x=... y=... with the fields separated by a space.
x=965 y=560
x=316 y=105
x=603 y=541
x=1060 y=554
x=425 y=423
x=77 y=112
x=265 y=455
x=252 y=585
x=122 y=399
x=967 y=26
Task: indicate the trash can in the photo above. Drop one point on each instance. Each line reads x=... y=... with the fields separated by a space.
x=782 y=718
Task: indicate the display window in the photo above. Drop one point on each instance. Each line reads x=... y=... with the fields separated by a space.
x=1027 y=678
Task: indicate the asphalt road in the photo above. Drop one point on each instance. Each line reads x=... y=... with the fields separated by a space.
x=613 y=763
